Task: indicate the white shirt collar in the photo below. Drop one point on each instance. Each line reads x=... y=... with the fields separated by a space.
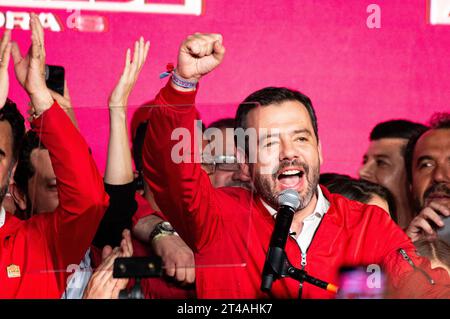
x=2 y=216
x=310 y=223
x=321 y=208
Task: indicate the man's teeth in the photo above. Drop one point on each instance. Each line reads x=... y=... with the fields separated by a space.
x=291 y=172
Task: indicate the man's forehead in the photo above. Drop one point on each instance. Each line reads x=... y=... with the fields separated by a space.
x=386 y=146
x=433 y=141
x=279 y=115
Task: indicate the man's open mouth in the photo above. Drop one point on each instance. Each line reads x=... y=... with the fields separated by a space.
x=290 y=177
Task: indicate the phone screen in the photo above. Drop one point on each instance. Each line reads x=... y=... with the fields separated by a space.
x=362 y=282
x=54 y=78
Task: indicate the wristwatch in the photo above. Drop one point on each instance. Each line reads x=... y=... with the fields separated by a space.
x=162 y=229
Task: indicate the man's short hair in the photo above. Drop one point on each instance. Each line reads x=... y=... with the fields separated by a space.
x=396 y=129
x=11 y=114
x=273 y=95
x=361 y=191
x=25 y=169
x=437 y=121
x=224 y=123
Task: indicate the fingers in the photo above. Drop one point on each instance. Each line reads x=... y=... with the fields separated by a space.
x=190 y=275
x=219 y=50
x=201 y=45
x=126 y=244
x=107 y=250
x=441 y=208
x=5 y=40
x=5 y=49
x=15 y=52
x=5 y=56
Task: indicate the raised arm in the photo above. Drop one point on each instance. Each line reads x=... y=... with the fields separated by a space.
x=119 y=169
x=5 y=53
x=69 y=230
x=119 y=178
x=182 y=190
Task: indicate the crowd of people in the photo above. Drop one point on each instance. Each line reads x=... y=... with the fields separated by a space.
x=63 y=224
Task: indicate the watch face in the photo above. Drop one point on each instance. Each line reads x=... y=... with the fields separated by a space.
x=166 y=226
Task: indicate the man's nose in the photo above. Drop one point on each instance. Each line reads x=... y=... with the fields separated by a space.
x=288 y=151
x=366 y=172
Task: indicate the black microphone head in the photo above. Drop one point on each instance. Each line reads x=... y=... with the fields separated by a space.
x=289 y=197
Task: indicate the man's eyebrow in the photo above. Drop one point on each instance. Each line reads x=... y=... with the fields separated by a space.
x=304 y=130
x=381 y=156
x=423 y=158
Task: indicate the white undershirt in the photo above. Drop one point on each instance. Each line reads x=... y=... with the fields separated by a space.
x=310 y=223
x=2 y=216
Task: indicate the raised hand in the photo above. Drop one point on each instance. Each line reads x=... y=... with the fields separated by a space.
x=102 y=284
x=199 y=54
x=5 y=53
x=423 y=226
x=120 y=94
x=30 y=70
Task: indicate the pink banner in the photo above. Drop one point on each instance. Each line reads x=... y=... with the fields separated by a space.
x=360 y=62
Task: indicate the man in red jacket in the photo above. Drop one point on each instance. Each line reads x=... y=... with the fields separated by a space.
x=229 y=229
x=35 y=253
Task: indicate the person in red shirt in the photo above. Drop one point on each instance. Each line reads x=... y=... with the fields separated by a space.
x=229 y=229
x=36 y=252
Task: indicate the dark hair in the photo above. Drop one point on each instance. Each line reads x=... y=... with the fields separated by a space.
x=436 y=249
x=327 y=178
x=25 y=169
x=437 y=121
x=361 y=191
x=273 y=95
x=396 y=129
x=11 y=114
x=227 y=122
x=137 y=146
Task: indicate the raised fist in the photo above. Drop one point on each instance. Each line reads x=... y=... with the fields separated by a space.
x=199 y=54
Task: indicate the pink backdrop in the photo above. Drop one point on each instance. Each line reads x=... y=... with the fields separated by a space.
x=355 y=76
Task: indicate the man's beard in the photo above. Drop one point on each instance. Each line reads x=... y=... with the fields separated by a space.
x=435 y=188
x=270 y=196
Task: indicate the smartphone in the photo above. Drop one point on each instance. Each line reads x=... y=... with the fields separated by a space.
x=361 y=282
x=54 y=78
x=443 y=233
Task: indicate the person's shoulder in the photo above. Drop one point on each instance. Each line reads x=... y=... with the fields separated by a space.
x=353 y=213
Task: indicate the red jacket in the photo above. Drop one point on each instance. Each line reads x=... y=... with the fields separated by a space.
x=229 y=228
x=35 y=253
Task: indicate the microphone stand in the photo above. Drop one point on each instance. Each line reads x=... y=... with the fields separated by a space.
x=281 y=267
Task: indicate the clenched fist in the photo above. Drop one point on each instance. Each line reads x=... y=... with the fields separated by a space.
x=199 y=54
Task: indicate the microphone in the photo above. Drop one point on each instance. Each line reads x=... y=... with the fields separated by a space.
x=288 y=203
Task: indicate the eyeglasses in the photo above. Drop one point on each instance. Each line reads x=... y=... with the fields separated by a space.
x=225 y=163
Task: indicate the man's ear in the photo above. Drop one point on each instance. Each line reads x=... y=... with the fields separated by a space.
x=244 y=168
x=19 y=197
x=11 y=174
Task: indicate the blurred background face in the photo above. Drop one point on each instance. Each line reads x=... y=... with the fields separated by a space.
x=383 y=164
x=6 y=149
x=42 y=191
x=289 y=155
x=431 y=168
x=223 y=173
